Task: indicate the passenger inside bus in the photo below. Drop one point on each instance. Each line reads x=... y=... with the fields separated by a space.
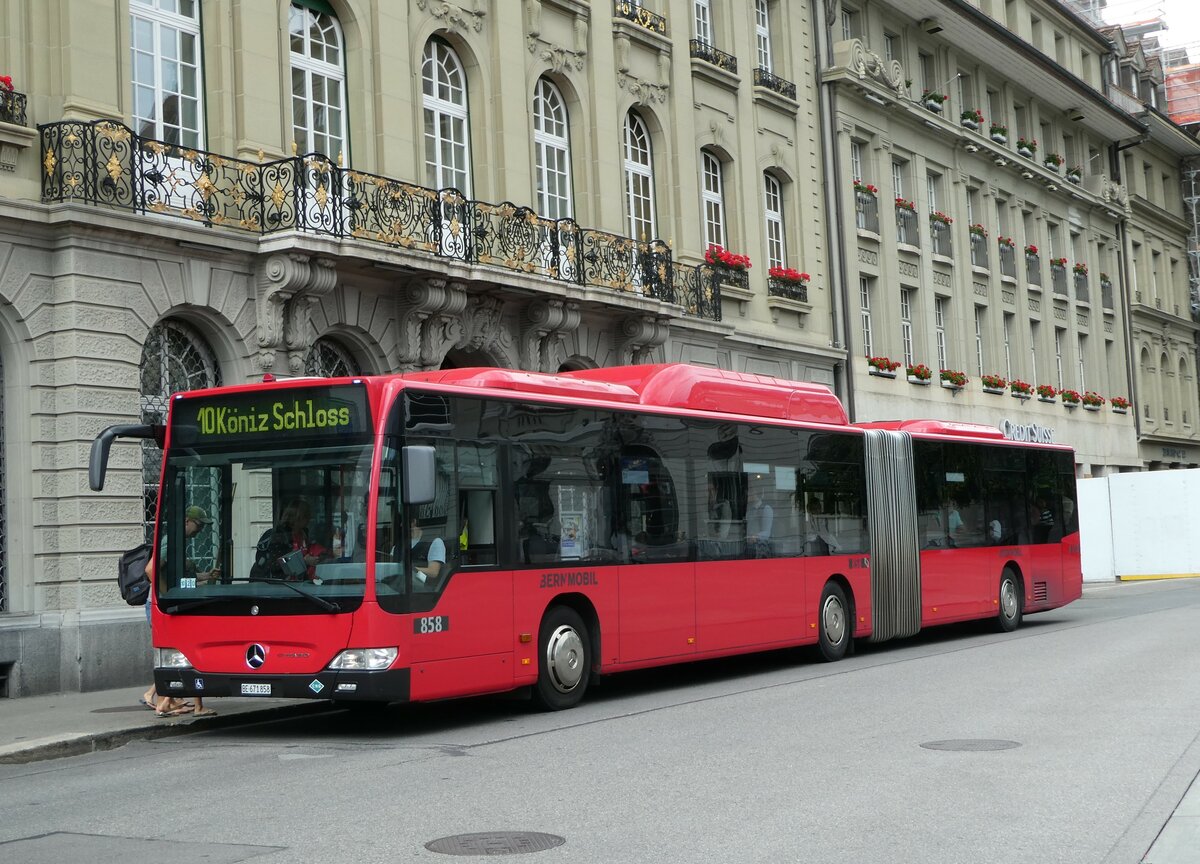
x=287 y=551
x=760 y=521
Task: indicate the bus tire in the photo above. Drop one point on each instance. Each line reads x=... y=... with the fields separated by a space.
x=1011 y=601
x=833 y=623
x=564 y=660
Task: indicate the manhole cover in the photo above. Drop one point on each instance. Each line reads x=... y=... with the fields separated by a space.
x=972 y=744
x=495 y=843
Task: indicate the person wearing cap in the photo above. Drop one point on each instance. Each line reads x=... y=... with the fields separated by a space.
x=195 y=520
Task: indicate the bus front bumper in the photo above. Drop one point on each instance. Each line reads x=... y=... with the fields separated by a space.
x=388 y=685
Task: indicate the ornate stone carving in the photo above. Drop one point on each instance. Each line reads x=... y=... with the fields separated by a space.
x=483 y=326
x=556 y=57
x=431 y=322
x=544 y=322
x=642 y=91
x=286 y=287
x=854 y=57
x=639 y=337
x=454 y=16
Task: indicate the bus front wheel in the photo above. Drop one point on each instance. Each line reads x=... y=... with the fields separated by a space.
x=1010 y=601
x=564 y=660
x=833 y=623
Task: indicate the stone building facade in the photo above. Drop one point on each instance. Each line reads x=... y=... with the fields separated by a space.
x=198 y=193
x=991 y=199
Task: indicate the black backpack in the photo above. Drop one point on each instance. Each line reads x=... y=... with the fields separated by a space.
x=131 y=575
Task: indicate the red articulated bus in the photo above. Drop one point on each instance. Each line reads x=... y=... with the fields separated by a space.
x=440 y=534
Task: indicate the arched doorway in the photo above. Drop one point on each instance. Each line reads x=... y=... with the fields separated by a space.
x=329 y=358
x=175 y=357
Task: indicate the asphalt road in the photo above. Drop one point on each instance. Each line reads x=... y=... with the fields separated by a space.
x=1071 y=740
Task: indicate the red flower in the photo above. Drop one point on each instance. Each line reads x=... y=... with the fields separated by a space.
x=787 y=274
x=6 y=83
x=722 y=257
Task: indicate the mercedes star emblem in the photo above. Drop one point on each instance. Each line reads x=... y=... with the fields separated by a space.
x=256 y=656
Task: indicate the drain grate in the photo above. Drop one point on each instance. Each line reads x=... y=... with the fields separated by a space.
x=971 y=745
x=495 y=843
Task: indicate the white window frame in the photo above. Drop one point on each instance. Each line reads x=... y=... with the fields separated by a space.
x=318 y=73
x=906 y=328
x=1008 y=319
x=444 y=63
x=166 y=25
x=1081 y=347
x=638 y=164
x=856 y=161
x=864 y=301
x=979 y=340
x=762 y=33
x=1033 y=340
x=1058 y=355
x=552 y=152
x=702 y=28
x=712 y=199
x=939 y=330
x=773 y=209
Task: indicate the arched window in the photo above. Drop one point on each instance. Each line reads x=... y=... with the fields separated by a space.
x=166 y=75
x=773 y=208
x=639 y=179
x=174 y=358
x=318 y=82
x=552 y=152
x=712 y=196
x=444 y=98
x=328 y=358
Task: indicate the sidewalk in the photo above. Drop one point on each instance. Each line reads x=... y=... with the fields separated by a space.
x=67 y=724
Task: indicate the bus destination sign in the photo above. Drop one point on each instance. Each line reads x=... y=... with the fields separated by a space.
x=287 y=412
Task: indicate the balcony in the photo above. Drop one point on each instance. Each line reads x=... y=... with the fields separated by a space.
x=979 y=251
x=647 y=20
x=701 y=50
x=1033 y=269
x=1008 y=261
x=765 y=78
x=104 y=164
x=1058 y=278
x=12 y=108
x=788 y=289
x=907 y=233
x=1081 y=288
x=1106 y=294
x=939 y=239
x=866 y=212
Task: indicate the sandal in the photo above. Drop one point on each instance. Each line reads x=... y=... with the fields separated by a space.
x=204 y=712
x=173 y=712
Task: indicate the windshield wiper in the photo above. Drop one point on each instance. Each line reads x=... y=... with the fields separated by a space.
x=193 y=604
x=320 y=601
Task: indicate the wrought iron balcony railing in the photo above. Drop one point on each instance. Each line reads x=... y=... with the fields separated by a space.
x=939 y=239
x=765 y=78
x=787 y=288
x=1081 y=288
x=906 y=228
x=866 y=212
x=1033 y=269
x=106 y=164
x=1008 y=261
x=1106 y=294
x=979 y=251
x=709 y=54
x=12 y=107
x=1058 y=278
x=633 y=11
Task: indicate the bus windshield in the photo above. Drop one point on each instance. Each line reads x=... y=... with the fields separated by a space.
x=253 y=523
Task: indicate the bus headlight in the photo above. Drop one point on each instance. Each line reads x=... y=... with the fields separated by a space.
x=365 y=658
x=170 y=658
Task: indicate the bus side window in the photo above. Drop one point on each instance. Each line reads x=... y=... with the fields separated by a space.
x=477 y=535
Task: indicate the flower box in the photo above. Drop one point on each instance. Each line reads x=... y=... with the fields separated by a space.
x=1091 y=407
x=995 y=391
x=913 y=379
x=722 y=258
x=950 y=385
x=1073 y=177
x=968 y=123
x=1070 y=405
x=1025 y=151
x=881 y=373
x=1021 y=396
x=1050 y=399
x=1117 y=410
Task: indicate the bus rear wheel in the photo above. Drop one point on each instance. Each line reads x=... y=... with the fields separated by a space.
x=833 y=623
x=1011 y=600
x=564 y=660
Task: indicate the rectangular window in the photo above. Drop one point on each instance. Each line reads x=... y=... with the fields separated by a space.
x=1058 y=356
x=714 y=205
x=939 y=323
x=995 y=107
x=933 y=184
x=1060 y=49
x=906 y=331
x=1082 y=348
x=856 y=162
x=773 y=202
x=165 y=54
x=898 y=170
x=966 y=92
x=979 y=340
x=1008 y=321
x=849 y=24
x=702 y=21
x=891 y=46
x=762 y=34
x=1033 y=351
x=864 y=299
x=1018 y=129
x=928 y=71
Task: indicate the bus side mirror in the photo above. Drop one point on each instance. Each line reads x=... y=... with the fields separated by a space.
x=419 y=466
x=98 y=458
